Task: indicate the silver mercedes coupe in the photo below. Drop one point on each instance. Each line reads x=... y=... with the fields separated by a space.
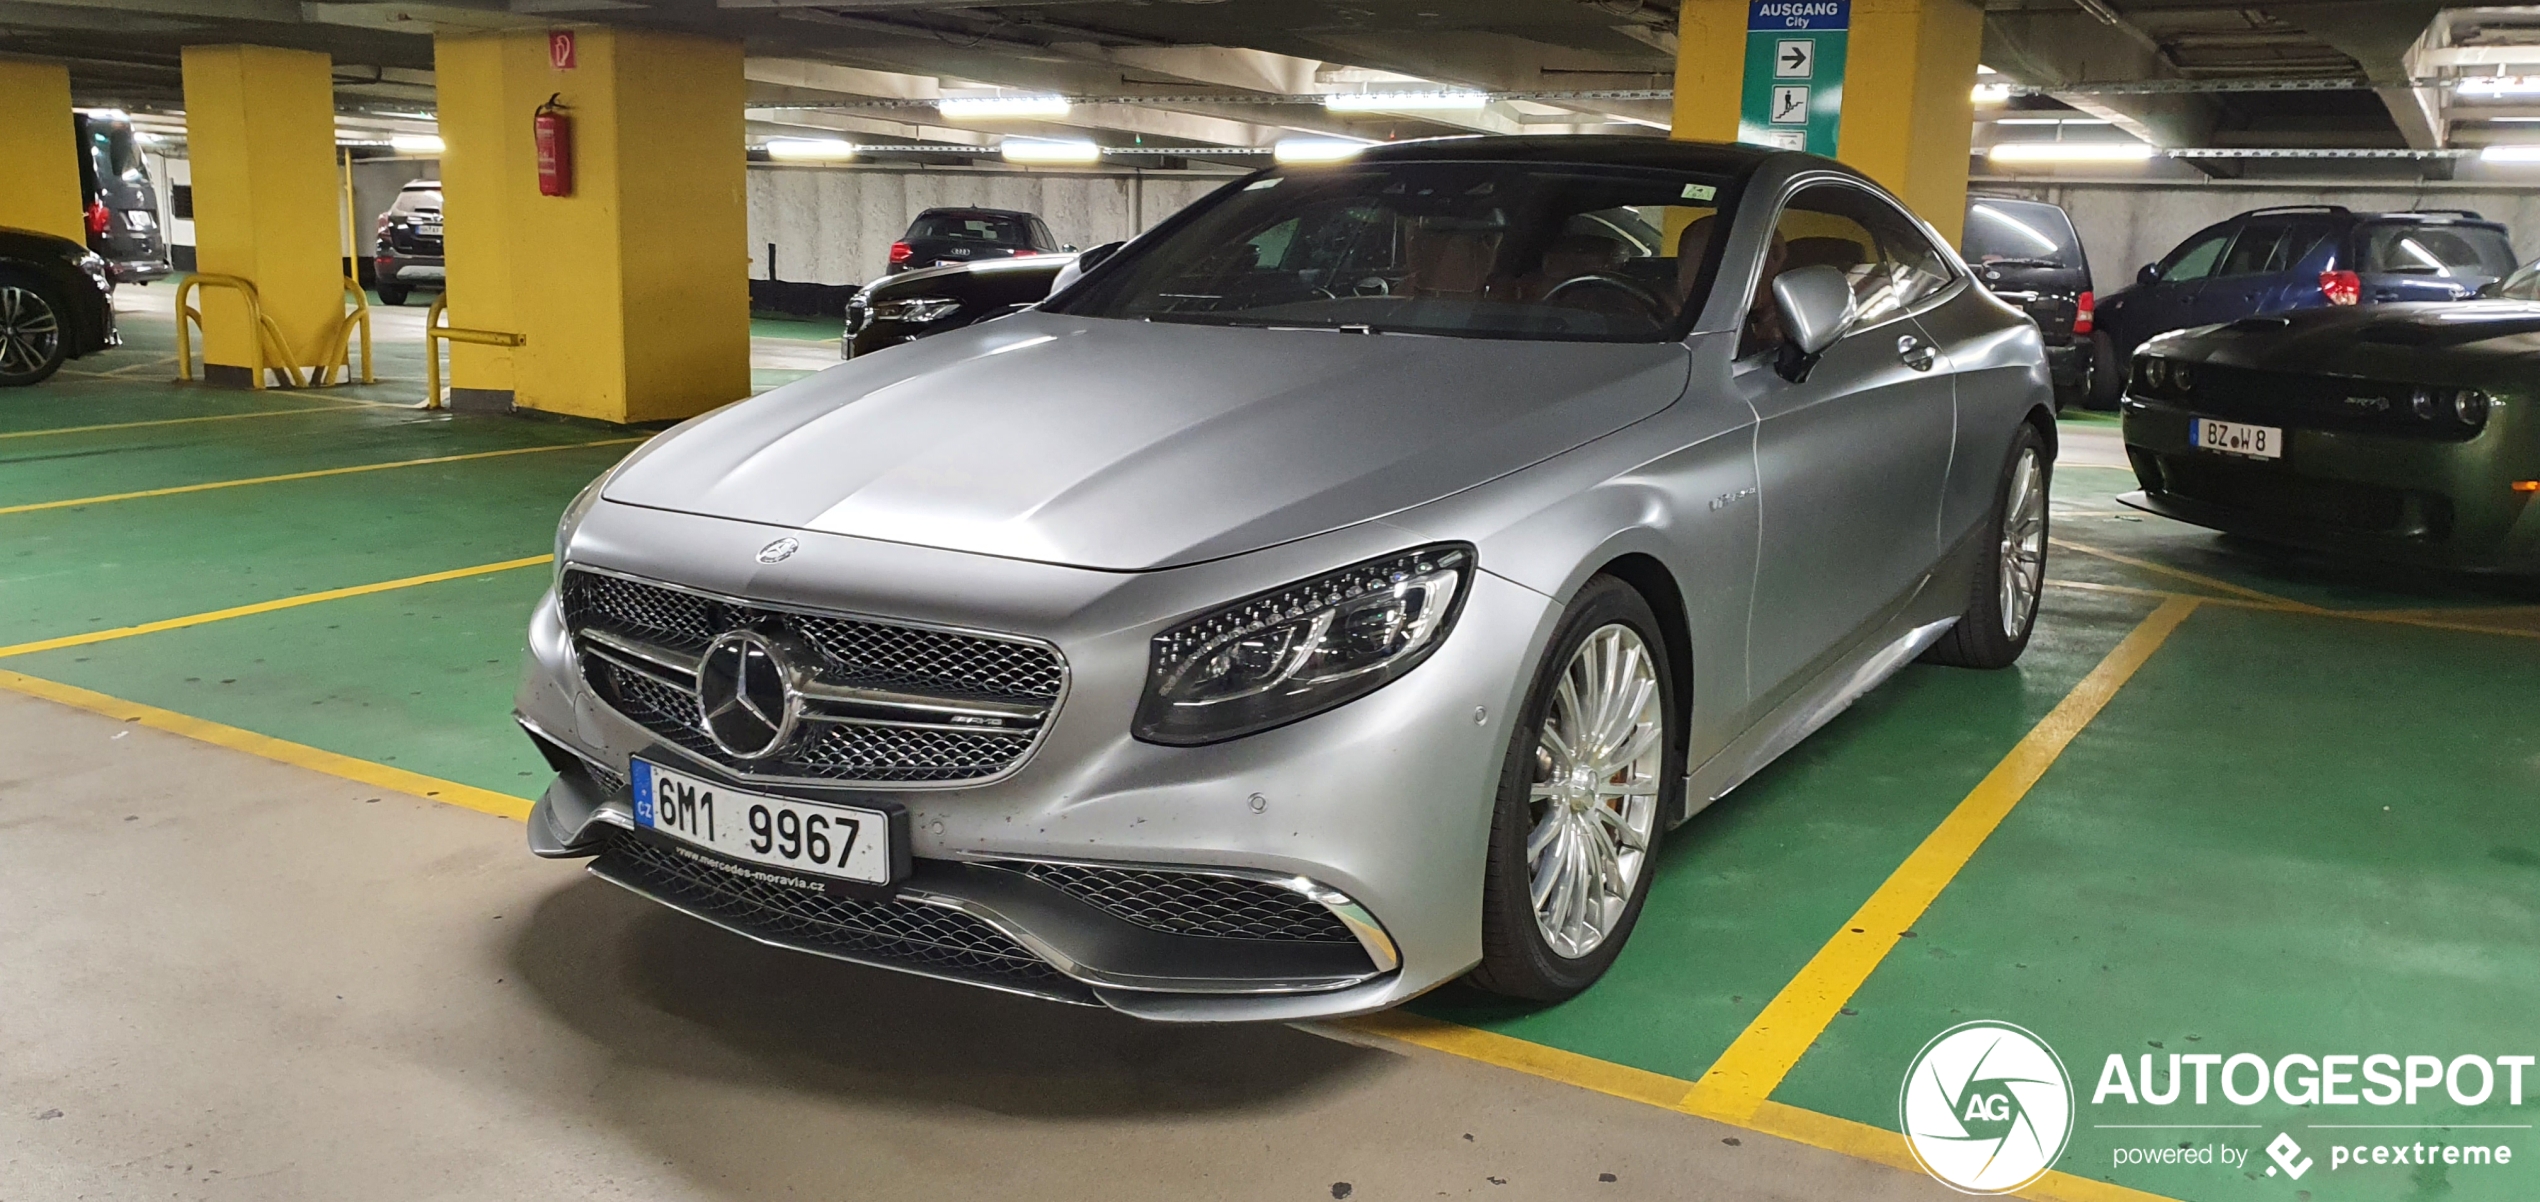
x=1337 y=591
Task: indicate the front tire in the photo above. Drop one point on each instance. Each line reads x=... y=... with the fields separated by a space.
x=2001 y=608
x=32 y=340
x=1593 y=771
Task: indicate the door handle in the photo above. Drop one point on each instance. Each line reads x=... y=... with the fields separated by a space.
x=1916 y=353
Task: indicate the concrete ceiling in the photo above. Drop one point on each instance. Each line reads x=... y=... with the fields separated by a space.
x=1242 y=73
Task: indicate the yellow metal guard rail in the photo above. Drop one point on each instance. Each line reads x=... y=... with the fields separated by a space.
x=272 y=351
x=434 y=334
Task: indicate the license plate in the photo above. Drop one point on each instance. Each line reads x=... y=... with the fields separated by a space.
x=429 y=229
x=2235 y=438
x=811 y=838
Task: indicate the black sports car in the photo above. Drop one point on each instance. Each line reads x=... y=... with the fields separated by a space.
x=911 y=305
x=56 y=303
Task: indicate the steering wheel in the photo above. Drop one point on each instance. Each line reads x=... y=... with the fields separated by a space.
x=1630 y=289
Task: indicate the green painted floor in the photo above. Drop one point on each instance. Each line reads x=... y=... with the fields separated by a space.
x=2289 y=833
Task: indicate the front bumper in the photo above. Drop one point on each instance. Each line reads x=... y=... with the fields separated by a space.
x=412 y=269
x=1379 y=810
x=2417 y=501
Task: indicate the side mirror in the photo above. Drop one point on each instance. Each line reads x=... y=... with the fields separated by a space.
x=2151 y=274
x=1816 y=306
x=1069 y=247
x=1094 y=256
x=2491 y=290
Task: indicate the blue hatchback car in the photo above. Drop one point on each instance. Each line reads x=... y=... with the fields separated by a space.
x=2301 y=257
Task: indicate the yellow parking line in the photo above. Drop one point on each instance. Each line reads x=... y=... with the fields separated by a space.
x=1744 y=1077
x=172 y=421
x=2183 y=574
x=282 y=750
x=310 y=475
x=1857 y=1140
x=266 y=607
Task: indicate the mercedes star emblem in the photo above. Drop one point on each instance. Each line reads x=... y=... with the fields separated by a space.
x=746 y=696
x=781 y=549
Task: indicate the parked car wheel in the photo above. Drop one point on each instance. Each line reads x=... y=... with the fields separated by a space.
x=31 y=343
x=1593 y=769
x=393 y=294
x=2107 y=374
x=2002 y=610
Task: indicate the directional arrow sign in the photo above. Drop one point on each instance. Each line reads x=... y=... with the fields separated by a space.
x=1794 y=59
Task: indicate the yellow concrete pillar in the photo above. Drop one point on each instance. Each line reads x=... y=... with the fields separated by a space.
x=40 y=189
x=260 y=131
x=1908 y=102
x=632 y=292
x=1907 y=111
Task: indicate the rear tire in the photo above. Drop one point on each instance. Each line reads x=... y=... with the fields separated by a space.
x=2001 y=608
x=2107 y=374
x=33 y=340
x=393 y=294
x=1575 y=797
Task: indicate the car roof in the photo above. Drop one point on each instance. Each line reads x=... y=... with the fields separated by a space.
x=982 y=212
x=421 y=185
x=1661 y=153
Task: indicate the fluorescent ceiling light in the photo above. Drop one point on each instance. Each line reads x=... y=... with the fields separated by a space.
x=1403 y=102
x=2069 y=152
x=1046 y=150
x=2499 y=85
x=2502 y=120
x=2523 y=153
x=809 y=149
x=2051 y=121
x=1002 y=106
x=416 y=144
x=1315 y=150
x=1990 y=93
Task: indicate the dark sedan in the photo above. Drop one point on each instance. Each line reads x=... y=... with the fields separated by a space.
x=912 y=305
x=2399 y=432
x=941 y=236
x=56 y=303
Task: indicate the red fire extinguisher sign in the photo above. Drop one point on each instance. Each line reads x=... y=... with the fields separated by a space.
x=560 y=49
x=552 y=130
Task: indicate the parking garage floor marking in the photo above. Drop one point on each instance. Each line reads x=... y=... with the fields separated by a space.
x=1744 y=1076
x=1857 y=1140
x=263 y=607
x=175 y=421
x=283 y=750
x=311 y=475
x=2183 y=574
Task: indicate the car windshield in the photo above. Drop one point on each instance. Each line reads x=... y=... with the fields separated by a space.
x=2476 y=252
x=2020 y=233
x=1486 y=250
x=418 y=200
x=972 y=227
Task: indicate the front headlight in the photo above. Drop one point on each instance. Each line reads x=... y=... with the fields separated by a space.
x=1294 y=652
x=920 y=309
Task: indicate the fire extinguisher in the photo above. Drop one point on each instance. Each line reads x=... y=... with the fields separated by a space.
x=552 y=129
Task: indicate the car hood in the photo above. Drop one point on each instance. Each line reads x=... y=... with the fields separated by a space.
x=1127 y=445
x=2367 y=338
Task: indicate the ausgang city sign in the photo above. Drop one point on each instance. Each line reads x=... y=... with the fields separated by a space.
x=1793 y=96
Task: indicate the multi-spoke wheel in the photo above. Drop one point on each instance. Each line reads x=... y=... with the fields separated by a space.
x=31 y=344
x=2010 y=574
x=1592 y=773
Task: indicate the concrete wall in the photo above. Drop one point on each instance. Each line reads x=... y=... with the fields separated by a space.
x=2126 y=225
x=835 y=225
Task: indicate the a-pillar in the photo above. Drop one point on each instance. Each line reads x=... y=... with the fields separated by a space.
x=260 y=134
x=632 y=289
x=40 y=189
x=1907 y=113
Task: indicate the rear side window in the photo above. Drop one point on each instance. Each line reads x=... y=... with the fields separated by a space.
x=2443 y=251
x=2197 y=259
x=2020 y=234
x=972 y=227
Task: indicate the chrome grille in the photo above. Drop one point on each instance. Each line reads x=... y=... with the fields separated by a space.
x=924 y=938
x=1194 y=903
x=872 y=722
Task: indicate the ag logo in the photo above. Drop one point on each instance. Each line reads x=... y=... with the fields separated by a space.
x=1986 y=1107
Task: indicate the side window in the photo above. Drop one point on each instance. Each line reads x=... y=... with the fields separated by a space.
x=2195 y=260
x=2304 y=238
x=1042 y=238
x=1270 y=246
x=2261 y=242
x=1891 y=264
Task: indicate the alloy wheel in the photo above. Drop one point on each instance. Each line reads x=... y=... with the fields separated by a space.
x=2023 y=543
x=29 y=331
x=1594 y=798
